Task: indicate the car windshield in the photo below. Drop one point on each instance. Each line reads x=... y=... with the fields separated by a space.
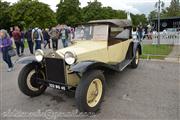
x=91 y=32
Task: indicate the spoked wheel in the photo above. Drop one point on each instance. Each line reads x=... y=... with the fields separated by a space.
x=27 y=81
x=90 y=91
x=94 y=92
x=135 y=61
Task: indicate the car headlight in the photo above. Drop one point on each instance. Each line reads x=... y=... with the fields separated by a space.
x=69 y=58
x=39 y=54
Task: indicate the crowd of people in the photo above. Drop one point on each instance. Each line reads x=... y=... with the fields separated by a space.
x=144 y=32
x=35 y=38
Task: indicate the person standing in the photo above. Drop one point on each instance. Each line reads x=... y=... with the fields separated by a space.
x=64 y=35
x=145 y=31
x=54 y=34
x=5 y=43
x=72 y=33
x=11 y=36
x=46 y=38
x=10 y=32
x=149 y=32
x=29 y=40
x=140 y=32
x=17 y=38
x=37 y=36
x=22 y=42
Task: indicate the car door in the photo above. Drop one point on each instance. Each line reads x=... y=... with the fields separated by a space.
x=118 y=44
x=115 y=53
x=125 y=47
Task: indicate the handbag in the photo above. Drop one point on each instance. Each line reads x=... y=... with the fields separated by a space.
x=11 y=52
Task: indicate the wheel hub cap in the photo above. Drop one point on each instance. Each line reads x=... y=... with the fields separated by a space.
x=94 y=92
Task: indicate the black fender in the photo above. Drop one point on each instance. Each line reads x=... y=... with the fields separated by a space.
x=27 y=60
x=133 y=46
x=137 y=45
x=84 y=66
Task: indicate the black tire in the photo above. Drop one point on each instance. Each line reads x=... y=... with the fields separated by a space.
x=23 y=81
x=82 y=90
x=135 y=62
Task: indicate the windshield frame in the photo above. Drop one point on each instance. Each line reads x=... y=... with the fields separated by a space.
x=94 y=32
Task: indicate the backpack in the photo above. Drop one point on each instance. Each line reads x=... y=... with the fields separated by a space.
x=54 y=34
x=36 y=34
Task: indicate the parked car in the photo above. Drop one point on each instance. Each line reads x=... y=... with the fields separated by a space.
x=98 y=46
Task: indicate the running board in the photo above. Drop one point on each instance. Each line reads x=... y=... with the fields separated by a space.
x=124 y=64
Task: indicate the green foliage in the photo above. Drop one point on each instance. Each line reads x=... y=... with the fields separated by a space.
x=139 y=18
x=5 y=22
x=171 y=11
x=95 y=11
x=31 y=13
x=68 y=12
x=92 y=11
x=153 y=14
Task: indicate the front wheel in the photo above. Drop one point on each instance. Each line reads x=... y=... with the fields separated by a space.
x=135 y=62
x=28 y=83
x=90 y=91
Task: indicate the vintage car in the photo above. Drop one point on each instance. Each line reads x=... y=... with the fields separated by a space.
x=98 y=46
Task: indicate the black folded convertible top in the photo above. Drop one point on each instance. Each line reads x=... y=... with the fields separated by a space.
x=115 y=22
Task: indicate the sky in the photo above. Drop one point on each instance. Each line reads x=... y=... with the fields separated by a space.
x=133 y=6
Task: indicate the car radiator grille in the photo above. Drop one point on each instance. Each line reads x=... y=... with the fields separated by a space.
x=55 y=70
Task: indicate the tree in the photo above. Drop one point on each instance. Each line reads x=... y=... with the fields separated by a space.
x=68 y=12
x=153 y=14
x=5 y=21
x=92 y=11
x=109 y=13
x=95 y=11
x=173 y=9
x=31 y=13
x=138 y=18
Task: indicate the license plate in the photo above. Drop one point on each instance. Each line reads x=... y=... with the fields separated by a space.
x=57 y=87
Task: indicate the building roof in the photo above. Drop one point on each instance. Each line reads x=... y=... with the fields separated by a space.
x=116 y=22
x=168 y=18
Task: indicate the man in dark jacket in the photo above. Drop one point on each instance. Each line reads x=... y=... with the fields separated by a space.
x=29 y=40
x=46 y=38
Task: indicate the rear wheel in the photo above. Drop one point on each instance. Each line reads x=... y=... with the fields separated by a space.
x=27 y=81
x=135 y=62
x=90 y=91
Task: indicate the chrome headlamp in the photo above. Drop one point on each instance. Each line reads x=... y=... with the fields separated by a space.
x=70 y=58
x=39 y=54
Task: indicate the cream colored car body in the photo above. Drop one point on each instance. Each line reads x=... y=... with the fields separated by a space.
x=94 y=50
x=97 y=50
x=97 y=46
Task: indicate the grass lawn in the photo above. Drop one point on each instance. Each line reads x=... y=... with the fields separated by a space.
x=156 y=51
